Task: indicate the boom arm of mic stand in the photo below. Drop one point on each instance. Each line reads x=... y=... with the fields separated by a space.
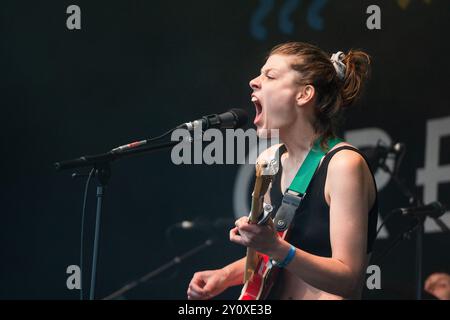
x=404 y=189
x=405 y=234
x=441 y=225
x=94 y=160
x=175 y=261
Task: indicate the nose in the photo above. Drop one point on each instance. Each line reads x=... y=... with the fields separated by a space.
x=255 y=83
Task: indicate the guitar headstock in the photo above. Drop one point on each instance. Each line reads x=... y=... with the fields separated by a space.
x=265 y=171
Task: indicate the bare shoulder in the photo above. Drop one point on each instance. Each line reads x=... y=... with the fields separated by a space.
x=349 y=171
x=347 y=161
x=349 y=168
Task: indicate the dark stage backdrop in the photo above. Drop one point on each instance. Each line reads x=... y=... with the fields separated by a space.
x=138 y=68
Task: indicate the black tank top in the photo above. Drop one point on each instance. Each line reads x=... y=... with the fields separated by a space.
x=310 y=229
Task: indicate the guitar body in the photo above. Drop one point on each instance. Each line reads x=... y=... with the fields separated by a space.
x=262 y=280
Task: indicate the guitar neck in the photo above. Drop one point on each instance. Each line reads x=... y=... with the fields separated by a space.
x=264 y=174
x=252 y=258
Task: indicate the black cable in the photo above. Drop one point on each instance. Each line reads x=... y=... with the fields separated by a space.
x=141 y=143
x=163 y=135
x=394 y=175
x=86 y=188
x=388 y=216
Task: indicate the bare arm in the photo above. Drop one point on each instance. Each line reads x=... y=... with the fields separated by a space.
x=235 y=272
x=210 y=283
x=349 y=185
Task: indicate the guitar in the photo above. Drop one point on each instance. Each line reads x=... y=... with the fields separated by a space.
x=259 y=274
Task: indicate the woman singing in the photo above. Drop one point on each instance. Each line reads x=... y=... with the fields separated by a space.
x=302 y=92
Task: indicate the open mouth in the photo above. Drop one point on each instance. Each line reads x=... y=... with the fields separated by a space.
x=258 y=108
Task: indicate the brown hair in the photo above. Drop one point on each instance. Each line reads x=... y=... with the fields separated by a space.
x=333 y=94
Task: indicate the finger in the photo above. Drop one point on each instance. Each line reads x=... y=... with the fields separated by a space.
x=189 y=294
x=195 y=287
x=234 y=237
x=271 y=226
x=193 y=295
x=243 y=235
x=431 y=280
x=207 y=291
x=241 y=221
x=250 y=228
x=428 y=283
x=234 y=233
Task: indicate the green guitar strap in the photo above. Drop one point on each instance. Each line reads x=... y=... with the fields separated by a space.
x=297 y=190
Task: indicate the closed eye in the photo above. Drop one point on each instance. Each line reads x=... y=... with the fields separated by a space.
x=268 y=73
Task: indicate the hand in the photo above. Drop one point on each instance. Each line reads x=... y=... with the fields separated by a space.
x=262 y=238
x=438 y=284
x=207 y=284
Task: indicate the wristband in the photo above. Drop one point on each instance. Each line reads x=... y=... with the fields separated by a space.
x=287 y=259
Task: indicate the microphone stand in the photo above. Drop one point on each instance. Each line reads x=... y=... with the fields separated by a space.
x=103 y=174
x=101 y=159
x=175 y=261
x=102 y=165
x=417 y=227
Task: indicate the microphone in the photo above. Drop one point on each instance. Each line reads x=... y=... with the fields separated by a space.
x=434 y=210
x=394 y=149
x=377 y=155
x=235 y=118
x=232 y=119
x=381 y=151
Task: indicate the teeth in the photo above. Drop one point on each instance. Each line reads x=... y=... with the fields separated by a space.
x=254 y=99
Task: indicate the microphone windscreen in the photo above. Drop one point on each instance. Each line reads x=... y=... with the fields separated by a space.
x=241 y=117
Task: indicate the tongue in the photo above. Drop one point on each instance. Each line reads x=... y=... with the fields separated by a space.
x=258 y=117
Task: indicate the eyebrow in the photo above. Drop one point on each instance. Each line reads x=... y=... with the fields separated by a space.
x=267 y=70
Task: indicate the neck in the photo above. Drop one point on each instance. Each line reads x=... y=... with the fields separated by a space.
x=298 y=140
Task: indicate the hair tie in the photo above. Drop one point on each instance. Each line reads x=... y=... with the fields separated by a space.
x=339 y=66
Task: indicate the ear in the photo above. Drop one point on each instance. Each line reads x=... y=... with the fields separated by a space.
x=305 y=94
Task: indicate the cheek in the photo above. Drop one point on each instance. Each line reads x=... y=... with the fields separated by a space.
x=281 y=107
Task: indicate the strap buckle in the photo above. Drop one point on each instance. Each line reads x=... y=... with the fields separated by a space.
x=286 y=212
